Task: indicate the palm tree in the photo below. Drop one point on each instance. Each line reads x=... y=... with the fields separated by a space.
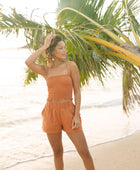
x=96 y=40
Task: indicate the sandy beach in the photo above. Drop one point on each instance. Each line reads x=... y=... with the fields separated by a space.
x=122 y=154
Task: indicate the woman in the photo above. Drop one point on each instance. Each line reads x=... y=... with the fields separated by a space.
x=59 y=112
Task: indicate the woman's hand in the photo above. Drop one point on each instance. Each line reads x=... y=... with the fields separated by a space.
x=48 y=40
x=76 y=122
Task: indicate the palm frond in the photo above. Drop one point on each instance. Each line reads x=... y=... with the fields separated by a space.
x=131 y=87
x=131 y=7
x=126 y=38
x=109 y=33
x=135 y=59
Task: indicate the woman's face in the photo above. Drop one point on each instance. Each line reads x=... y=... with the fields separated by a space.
x=60 y=50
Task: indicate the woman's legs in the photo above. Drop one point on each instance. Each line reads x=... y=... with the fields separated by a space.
x=80 y=143
x=56 y=144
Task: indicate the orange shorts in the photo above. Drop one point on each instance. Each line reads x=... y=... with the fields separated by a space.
x=58 y=116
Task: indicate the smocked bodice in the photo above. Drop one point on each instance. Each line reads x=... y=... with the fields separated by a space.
x=59 y=87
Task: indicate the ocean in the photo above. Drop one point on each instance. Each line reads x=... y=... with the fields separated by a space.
x=21 y=135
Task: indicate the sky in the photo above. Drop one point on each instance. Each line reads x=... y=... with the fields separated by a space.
x=25 y=7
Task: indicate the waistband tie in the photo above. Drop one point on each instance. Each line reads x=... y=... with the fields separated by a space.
x=57 y=101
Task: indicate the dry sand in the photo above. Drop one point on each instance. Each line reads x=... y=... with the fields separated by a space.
x=122 y=154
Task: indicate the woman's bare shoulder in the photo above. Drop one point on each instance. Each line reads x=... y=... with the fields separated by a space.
x=72 y=64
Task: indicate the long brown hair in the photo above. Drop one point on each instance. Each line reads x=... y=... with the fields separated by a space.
x=56 y=39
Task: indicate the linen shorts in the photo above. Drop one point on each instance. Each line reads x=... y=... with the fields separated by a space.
x=58 y=116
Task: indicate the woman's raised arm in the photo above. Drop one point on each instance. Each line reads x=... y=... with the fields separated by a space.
x=30 y=61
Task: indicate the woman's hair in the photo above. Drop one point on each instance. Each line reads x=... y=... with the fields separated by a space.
x=56 y=39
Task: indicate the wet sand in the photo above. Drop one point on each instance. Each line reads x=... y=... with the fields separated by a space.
x=122 y=154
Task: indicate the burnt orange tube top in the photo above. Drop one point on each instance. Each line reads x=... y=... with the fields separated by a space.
x=59 y=87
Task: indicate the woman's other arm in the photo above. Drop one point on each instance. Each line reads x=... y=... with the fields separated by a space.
x=76 y=85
